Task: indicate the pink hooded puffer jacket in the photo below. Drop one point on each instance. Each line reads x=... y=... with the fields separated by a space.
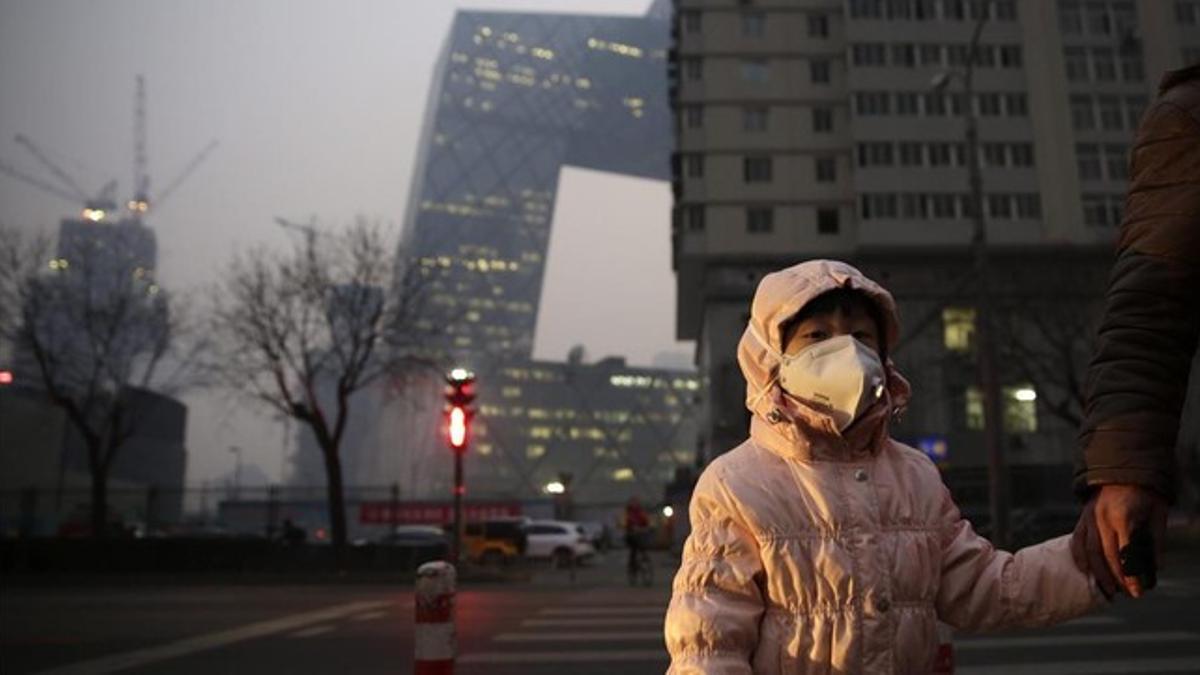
x=816 y=551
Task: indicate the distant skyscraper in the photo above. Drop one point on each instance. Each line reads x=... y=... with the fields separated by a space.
x=514 y=99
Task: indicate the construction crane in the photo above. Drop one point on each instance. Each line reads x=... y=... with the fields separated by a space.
x=310 y=233
x=141 y=201
x=95 y=208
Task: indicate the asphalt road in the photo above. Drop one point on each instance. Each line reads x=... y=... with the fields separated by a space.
x=594 y=624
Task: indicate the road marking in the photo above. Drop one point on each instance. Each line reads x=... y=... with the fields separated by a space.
x=310 y=632
x=369 y=616
x=975 y=644
x=200 y=643
x=590 y=636
x=496 y=658
x=1106 y=667
x=604 y=611
x=600 y=621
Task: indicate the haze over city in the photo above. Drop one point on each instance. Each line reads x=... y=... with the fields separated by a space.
x=317 y=107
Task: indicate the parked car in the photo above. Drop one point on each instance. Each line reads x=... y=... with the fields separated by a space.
x=598 y=533
x=494 y=542
x=413 y=535
x=562 y=541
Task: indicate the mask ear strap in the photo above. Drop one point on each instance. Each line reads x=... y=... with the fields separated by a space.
x=766 y=389
x=762 y=392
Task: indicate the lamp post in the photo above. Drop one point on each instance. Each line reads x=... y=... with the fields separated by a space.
x=985 y=348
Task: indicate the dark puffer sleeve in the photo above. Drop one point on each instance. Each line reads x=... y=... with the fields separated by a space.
x=1137 y=381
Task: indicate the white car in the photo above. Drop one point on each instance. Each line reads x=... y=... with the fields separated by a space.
x=562 y=541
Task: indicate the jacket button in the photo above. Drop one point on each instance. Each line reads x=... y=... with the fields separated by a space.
x=860 y=475
x=883 y=604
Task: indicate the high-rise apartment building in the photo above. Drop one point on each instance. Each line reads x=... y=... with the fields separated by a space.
x=819 y=128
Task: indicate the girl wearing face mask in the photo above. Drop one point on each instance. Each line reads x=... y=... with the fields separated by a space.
x=821 y=545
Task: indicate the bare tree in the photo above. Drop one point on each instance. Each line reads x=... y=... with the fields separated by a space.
x=304 y=331
x=1047 y=341
x=92 y=325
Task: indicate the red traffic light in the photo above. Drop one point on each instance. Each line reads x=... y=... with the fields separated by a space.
x=456 y=427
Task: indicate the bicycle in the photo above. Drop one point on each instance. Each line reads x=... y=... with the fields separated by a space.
x=642 y=571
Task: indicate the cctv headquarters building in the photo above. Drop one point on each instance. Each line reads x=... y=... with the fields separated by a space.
x=514 y=99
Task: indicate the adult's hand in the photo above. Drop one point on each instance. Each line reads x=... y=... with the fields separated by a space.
x=1105 y=527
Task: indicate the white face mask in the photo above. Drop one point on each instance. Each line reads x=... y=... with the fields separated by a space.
x=840 y=375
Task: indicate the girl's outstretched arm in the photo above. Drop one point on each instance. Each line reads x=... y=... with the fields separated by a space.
x=984 y=589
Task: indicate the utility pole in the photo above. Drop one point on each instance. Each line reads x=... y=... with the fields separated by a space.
x=985 y=347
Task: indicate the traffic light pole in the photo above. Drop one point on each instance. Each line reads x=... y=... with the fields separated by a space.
x=459 y=489
x=459 y=394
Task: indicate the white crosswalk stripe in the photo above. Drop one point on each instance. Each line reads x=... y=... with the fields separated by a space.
x=631 y=634
x=606 y=634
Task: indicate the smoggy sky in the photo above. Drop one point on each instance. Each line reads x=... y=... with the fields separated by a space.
x=317 y=107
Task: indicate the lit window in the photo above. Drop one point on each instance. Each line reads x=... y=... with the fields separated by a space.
x=534 y=451
x=623 y=474
x=1020 y=409
x=958 y=328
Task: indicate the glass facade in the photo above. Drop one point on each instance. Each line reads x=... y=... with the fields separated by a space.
x=515 y=98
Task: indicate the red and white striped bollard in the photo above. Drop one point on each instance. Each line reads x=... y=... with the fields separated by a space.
x=434 y=596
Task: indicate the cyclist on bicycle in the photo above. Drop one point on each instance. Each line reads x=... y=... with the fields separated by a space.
x=636 y=524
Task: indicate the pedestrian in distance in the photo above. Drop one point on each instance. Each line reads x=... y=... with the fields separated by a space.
x=636 y=523
x=822 y=545
x=1127 y=471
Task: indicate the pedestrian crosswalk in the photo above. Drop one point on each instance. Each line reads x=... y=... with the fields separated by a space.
x=586 y=630
x=612 y=631
x=1104 y=644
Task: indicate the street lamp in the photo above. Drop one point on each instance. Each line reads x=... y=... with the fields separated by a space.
x=985 y=349
x=555 y=488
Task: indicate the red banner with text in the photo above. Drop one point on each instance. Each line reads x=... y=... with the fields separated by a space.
x=431 y=513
